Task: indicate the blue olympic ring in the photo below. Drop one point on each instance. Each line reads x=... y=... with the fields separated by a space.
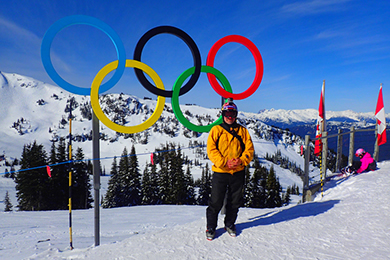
x=81 y=19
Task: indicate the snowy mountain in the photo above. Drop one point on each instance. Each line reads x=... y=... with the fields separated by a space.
x=40 y=111
x=292 y=118
x=302 y=122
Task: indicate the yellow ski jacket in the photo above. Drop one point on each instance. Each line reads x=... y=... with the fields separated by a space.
x=222 y=146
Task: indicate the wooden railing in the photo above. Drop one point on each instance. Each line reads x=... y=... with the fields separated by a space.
x=309 y=190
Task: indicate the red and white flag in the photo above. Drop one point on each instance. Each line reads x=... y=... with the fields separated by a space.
x=381 y=118
x=321 y=122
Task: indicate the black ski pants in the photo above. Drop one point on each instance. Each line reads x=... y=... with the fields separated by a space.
x=231 y=186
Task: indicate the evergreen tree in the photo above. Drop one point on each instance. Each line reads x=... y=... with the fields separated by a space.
x=146 y=187
x=286 y=197
x=124 y=179
x=32 y=184
x=12 y=172
x=179 y=192
x=81 y=185
x=154 y=182
x=246 y=194
x=273 y=190
x=205 y=186
x=134 y=182
x=6 y=173
x=59 y=181
x=7 y=203
x=53 y=153
x=164 y=182
x=190 y=187
x=257 y=188
x=113 y=190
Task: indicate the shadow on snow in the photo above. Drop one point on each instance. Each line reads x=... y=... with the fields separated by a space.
x=302 y=210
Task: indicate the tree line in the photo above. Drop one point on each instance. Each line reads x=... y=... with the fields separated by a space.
x=165 y=180
x=36 y=190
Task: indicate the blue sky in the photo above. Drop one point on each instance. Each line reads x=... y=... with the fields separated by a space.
x=344 y=42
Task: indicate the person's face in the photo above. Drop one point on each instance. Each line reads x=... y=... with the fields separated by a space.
x=229 y=117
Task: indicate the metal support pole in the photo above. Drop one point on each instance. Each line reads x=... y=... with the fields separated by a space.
x=339 y=150
x=96 y=174
x=307 y=161
x=351 y=145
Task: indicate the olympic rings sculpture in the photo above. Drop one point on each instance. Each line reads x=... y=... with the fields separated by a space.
x=140 y=68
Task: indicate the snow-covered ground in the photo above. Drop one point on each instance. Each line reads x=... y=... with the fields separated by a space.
x=351 y=221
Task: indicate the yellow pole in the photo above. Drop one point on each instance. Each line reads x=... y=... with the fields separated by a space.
x=70 y=177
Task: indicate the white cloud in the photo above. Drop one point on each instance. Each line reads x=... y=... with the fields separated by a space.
x=314 y=7
x=24 y=39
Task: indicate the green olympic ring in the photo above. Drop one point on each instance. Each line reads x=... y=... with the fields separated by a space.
x=175 y=97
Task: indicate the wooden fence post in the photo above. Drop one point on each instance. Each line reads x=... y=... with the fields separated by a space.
x=324 y=151
x=351 y=145
x=339 y=150
x=306 y=178
x=376 y=147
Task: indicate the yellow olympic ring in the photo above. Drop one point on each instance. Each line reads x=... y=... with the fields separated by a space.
x=98 y=110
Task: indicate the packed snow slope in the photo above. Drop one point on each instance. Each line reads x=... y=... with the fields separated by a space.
x=351 y=221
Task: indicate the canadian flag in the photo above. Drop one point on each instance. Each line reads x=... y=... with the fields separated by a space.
x=321 y=122
x=380 y=118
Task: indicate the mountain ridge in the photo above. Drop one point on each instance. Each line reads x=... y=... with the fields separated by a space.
x=39 y=111
x=288 y=118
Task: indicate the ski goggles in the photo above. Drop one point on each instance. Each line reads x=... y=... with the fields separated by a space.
x=229 y=113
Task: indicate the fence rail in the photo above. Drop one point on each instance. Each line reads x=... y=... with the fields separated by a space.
x=308 y=191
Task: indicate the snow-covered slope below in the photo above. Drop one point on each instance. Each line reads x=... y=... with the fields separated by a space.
x=350 y=222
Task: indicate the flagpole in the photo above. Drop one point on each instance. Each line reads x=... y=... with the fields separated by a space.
x=324 y=133
x=320 y=131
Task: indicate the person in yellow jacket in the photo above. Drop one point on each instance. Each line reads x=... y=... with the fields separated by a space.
x=230 y=149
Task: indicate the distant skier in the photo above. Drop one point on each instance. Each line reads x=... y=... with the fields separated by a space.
x=230 y=149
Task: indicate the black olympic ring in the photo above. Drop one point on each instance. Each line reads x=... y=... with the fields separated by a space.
x=190 y=43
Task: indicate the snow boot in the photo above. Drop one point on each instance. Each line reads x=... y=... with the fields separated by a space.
x=231 y=230
x=210 y=234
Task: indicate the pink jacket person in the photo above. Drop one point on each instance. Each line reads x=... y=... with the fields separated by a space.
x=366 y=160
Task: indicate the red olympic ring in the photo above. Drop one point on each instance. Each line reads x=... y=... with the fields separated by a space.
x=258 y=60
